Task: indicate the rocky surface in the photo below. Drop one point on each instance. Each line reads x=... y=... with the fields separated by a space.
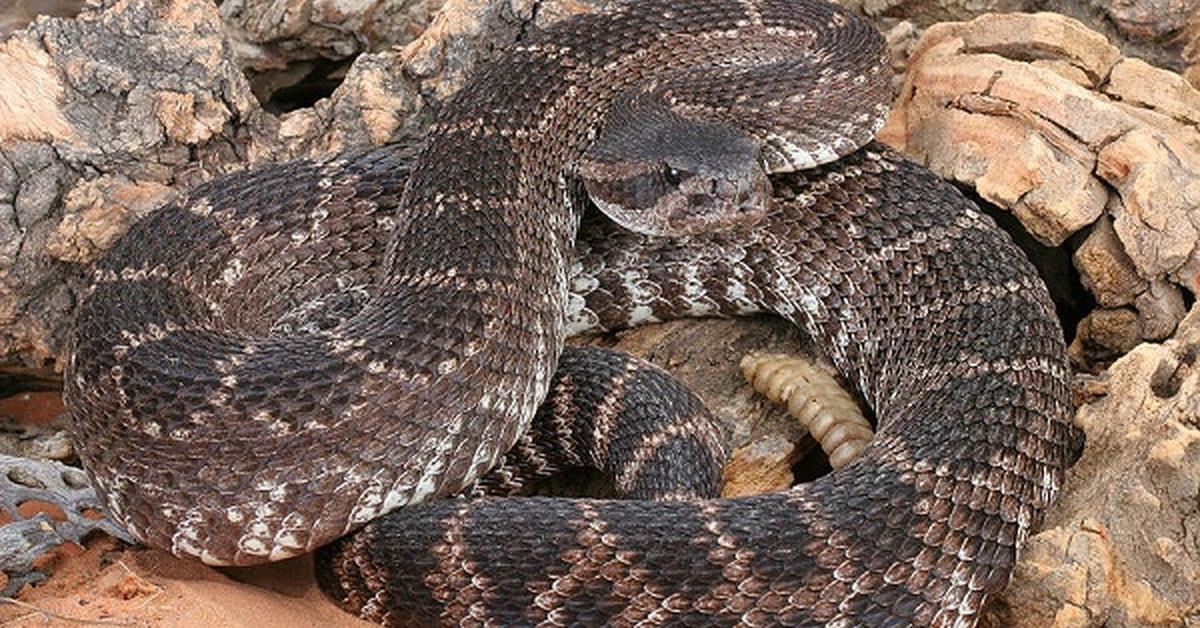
x=104 y=117
x=1044 y=118
x=297 y=50
x=1163 y=32
x=101 y=118
x=269 y=33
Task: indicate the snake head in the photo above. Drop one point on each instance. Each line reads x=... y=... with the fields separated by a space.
x=664 y=176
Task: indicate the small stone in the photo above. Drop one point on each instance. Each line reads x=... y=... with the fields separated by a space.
x=1188 y=275
x=1102 y=336
x=762 y=466
x=1160 y=308
x=1105 y=269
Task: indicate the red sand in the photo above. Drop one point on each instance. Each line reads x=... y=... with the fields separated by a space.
x=106 y=586
x=141 y=587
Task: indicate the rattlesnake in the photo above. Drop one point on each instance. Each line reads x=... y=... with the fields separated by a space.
x=298 y=349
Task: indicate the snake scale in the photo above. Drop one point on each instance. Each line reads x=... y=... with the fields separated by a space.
x=296 y=350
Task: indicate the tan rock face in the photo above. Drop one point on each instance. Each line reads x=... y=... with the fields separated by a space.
x=29 y=91
x=1105 y=267
x=93 y=134
x=1046 y=119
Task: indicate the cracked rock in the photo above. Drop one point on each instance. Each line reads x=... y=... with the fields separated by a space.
x=1160 y=308
x=1105 y=268
x=1044 y=118
x=283 y=43
x=99 y=117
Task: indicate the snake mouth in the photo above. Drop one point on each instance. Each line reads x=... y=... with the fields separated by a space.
x=724 y=204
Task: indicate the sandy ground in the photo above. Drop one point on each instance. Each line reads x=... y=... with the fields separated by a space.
x=109 y=586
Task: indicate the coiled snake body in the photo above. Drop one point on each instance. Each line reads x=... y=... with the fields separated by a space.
x=226 y=408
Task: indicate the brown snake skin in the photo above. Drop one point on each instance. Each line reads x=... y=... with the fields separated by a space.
x=226 y=409
x=969 y=384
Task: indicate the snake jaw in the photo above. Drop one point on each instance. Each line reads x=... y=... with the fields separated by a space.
x=719 y=202
x=706 y=182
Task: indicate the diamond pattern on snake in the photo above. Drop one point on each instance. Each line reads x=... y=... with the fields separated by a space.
x=307 y=356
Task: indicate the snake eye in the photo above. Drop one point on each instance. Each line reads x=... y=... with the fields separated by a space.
x=673 y=176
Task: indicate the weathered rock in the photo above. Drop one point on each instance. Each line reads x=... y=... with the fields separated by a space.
x=277 y=41
x=267 y=33
x=1160 y=308
x=1160 y=31
x=1143 y=86
x=1102 y=336
x=36 y=442
x=99 y=117
x=1016 y=131
x=1122 y=545
x=1159 y=230
x=1105 y=268
x=1046 y=119
x=926 y=12
x=761 y=466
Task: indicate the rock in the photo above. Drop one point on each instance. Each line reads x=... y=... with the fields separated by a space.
x=926 y=12
x=901 y=40
x=1017 y=132
x=99 y=117
x=1188 y=275
x=1163 y=32
x=1102 y=336
x=1105 y=268
x=1045 y=118
x=1158 y=230
x=761 y=466
x=19 y=13
x=1160 y=308
x=269 y=32
x=1076 y=561
x=282 y=42
x=1142 y=86
x=1120 y=546
x=99 y=211
x=38 y=443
